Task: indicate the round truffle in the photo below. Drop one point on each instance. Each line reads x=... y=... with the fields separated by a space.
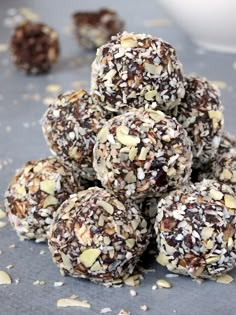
x=95 y=28
x=96 y=236
x=201 y=114
x=70 y=126
x=212 y=169
x=34 y=47
x=196 y=230
x=224 y=169
x=227 y=143
x=137 y=71
x=141 y=154
x=35 y=193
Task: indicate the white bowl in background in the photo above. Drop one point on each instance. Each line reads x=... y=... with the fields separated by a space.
x=210 y=23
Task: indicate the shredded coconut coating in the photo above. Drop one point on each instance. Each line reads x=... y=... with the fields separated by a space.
x=70 y=126
x=137 y=71
x=96 y=236
x=201 y=114
x=35 y=193
x=196 y=230
x=141 y=154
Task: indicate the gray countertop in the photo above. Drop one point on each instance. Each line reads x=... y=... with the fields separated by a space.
x=22 y=103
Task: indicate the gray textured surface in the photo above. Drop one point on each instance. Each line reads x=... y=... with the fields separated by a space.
x=21 y=139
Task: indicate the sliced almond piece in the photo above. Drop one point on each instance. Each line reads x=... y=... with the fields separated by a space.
x=128 y=42
x=150 y=95
x=103 y=134
x=162 y=283
x=4 y=278
x=66 y=262
x=212 y=260
x=230 y=201
x=37 y=168
x=72 y=303
x=132 y=280
x=122 y=134
x=130 y=242
x=48 y=186
x=215 y=114
x=20 y=190
x=89 y=256
x=133 y=153
x=206 y=233
x=50 y=201
x=216 y=194
x=153 y=69
x=83 y=234
x=225 y=279
x=96 y=267
x=106 y=206
x=162 y=259
x=226 y=174
x=143 y=154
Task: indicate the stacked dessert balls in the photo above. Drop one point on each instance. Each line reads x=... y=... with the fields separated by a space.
x=142 y=130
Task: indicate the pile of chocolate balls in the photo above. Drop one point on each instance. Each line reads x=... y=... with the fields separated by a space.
x=141 y=159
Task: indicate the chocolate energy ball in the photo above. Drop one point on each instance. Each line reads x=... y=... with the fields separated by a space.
x=70 y=126
x=95 y=28
x=137 y=70
x=96 y=236
x=208 y=171
x=227 y=143
x=35 y=193
x=224 y=169
x=142 y=154
x=196 y=230
x=34 y=47
x=201 y=114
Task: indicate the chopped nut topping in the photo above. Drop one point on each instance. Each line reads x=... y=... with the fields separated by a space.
x=122 y=134
x=162 y=283
x=225 y=279
x=106 y=206
x=73 y=303
x=4 y=278
x=230 y=201
x=89 y=256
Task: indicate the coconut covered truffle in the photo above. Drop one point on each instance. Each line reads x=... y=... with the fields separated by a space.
x=196 y=230
x=227 y=143
x=70 y=126
x=136 y=71
x=141 y=154
x=96 y=236
x=35 y=193
x=224 y=169
x=201 y=114
x=95 y=28
x=214 y=168
x=34 y=47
